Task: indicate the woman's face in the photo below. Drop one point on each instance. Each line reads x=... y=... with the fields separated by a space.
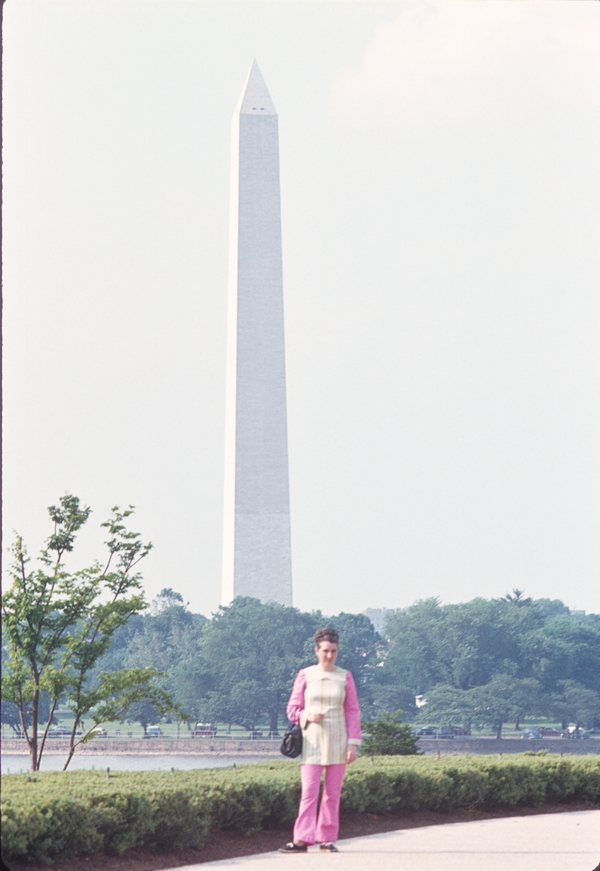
x=326 y=652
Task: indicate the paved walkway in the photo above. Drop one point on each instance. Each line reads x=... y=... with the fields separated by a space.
x=545 y=842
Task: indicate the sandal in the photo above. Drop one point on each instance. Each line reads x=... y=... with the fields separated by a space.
x=294 y=848
x=329 y=848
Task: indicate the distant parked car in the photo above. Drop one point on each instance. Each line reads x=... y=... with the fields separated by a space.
x=531 y=733
x=62 y=732
x=444 y=732
x=256 y=733
x=58 y=732
x=577 y=733
x=547 y=732
x=99 y=732
x=572 y=732
x=427 y=732
x=204 y=730
x=153 y=732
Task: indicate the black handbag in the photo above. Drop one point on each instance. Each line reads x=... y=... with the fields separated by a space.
x=291 y=746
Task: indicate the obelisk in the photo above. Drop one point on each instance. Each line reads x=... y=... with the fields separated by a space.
x=256 y=535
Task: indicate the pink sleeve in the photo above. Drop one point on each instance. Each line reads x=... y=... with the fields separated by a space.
x=295 y=706
x=352 y=711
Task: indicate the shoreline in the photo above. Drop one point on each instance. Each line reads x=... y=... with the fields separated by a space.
x=13 y=747
x=270 y=749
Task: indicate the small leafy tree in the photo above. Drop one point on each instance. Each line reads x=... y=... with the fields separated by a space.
x=517 y=597
x=387 y=698
x=251 y=653
x=447 y=706
x=142 y=712
x=504 y=699
x=167 y=598
x=577 y=704
x=10 y=717
x=58 y=623
x=388 y=736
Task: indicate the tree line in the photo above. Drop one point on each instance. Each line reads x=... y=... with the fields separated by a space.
x=85 y=639
x=480 y=664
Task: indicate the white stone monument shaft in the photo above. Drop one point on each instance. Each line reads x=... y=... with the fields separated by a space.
x=256 y=537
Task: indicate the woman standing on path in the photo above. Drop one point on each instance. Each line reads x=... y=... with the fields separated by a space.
x=324 y=704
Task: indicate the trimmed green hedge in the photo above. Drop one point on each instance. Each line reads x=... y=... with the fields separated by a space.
x=76 y=813
x=399 y=783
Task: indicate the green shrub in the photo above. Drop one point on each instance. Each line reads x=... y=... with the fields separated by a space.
x=388 y=736
x=77 y=813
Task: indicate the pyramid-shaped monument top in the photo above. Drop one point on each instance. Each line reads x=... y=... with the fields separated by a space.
x=255 y=98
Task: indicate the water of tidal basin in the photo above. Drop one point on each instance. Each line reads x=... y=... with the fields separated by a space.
x=17 y=764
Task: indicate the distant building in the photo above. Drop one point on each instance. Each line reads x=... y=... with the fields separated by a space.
x=377 y=616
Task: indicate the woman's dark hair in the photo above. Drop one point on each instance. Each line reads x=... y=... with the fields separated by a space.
x=326 y=635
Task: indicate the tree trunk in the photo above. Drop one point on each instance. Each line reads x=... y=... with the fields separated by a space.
x=33 y=744
x=28 y=737
x=499 y=730
x=273 y=722
x=33 y=760
x=50 y=718
x=69 y=757
x=72 y=743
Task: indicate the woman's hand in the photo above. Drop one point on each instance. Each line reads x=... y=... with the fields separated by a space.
x=350 y=753
x=314 y=718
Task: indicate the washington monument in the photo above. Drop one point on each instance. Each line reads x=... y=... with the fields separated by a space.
x=256 y=534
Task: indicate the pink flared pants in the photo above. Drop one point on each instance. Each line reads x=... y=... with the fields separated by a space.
x=308 y=827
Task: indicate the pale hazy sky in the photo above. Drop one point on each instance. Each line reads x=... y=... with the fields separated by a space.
x=441 y=229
